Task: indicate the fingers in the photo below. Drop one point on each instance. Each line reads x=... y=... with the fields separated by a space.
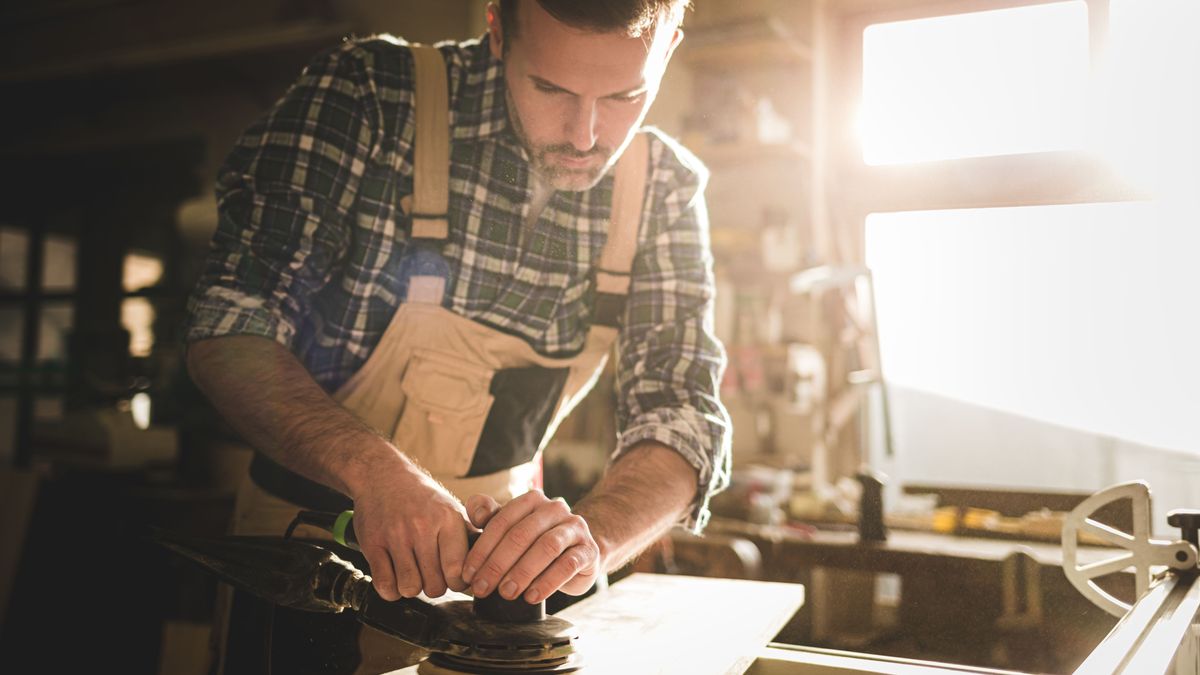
x=481 y=508
x=382 y=574
x=394 y=573
x=413 y=533
x=429 y=561
x=402 y=571
x=452 y=547
x=533 y=539
x=563 y=554
x=408 y=576
x=483 y=580
x=573 y=573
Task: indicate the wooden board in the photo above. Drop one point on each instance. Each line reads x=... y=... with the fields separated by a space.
x=654 y=624
x=667 y=625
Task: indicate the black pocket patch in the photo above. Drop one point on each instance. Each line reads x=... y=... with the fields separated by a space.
x=525 y=399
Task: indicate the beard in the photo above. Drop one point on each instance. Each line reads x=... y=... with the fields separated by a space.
x=558 y=176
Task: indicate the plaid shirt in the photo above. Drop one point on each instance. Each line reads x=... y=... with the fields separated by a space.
x=311 y=234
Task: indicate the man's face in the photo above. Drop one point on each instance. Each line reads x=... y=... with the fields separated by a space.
x=575 y=97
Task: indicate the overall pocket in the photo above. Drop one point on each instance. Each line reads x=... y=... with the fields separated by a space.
x=446 y=404
x=526 y=399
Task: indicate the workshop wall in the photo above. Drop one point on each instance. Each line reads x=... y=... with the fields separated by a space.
x=117 y=114
x=167 y=87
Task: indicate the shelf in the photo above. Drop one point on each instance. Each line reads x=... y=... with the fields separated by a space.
x=300 y=34
x=755 y=42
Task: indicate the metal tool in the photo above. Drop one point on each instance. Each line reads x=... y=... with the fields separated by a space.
x=471 y=636
x=1145 y=555
x=1160 y=631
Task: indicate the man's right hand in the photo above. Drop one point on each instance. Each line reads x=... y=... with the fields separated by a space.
x=412 y=532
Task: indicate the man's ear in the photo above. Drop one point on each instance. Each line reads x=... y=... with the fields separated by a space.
x=495 y=31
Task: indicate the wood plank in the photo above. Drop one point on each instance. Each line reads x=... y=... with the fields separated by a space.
x=667 y=625
x=655 y=624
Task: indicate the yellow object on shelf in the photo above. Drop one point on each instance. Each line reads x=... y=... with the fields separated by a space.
x=945 y=519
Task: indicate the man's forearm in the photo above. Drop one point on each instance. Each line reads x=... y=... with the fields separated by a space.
x=260 y=388
x=641 y=496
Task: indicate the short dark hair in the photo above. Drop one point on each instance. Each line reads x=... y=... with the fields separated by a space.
x=633 y=17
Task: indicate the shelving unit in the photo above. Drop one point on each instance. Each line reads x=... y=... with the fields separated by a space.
x=749 y=43
x=803 y=361
x=750 y=116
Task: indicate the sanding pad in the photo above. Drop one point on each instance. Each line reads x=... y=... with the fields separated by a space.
x=479 y=645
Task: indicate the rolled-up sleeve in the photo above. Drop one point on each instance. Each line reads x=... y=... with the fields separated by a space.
x=283 y=196
x=671 y=362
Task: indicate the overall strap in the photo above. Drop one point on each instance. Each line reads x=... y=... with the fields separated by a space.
x=431 y=162
x=431 y=190
x=616 y=261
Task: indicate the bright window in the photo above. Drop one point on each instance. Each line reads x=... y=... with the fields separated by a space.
x=1149 y=101
x=141 y=271
x=14 y=249
x=137 y=314
x=58 y=263
x=1080 y=315
x=986 y=83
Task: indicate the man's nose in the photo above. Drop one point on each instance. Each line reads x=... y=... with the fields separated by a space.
x=581 y=126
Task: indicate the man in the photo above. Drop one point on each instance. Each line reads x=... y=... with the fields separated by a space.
x=329 y=289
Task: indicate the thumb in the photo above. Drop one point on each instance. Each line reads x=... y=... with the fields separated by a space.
x=480 y=509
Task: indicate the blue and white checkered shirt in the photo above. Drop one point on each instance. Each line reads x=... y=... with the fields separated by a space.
x=311 y=233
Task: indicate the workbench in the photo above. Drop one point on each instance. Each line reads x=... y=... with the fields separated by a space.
x=653 y=624
x=968 y=600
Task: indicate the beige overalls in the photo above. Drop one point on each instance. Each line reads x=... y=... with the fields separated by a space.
x=427 y=384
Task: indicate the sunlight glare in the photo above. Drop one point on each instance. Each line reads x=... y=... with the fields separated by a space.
x=1080 y=315
x=985 y=83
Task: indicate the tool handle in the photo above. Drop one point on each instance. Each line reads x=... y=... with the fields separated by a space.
x=343 y=530
x=340 y=525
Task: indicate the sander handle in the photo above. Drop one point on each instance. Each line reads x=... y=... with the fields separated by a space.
x=340 y=525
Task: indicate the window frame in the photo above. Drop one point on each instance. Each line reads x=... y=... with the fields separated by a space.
x=857 y=189
x=1030 y=179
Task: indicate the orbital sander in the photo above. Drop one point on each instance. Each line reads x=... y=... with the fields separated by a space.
x=480 y=635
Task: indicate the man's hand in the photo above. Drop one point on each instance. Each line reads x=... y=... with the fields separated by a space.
x=413 y=533
x=411 y=530
x=531 y=547
x=534 y=546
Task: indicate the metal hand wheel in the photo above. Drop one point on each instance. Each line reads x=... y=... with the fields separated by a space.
x=1141 y=552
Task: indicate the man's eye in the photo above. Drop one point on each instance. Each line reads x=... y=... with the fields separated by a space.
x=628 y=98
x=548 y=89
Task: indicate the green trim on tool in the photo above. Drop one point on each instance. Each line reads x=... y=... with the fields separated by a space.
x=339 y=526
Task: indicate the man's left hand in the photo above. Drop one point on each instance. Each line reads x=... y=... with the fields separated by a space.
x=531 y=547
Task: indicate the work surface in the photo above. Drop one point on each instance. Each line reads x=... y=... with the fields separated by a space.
x=844 y=549
x=654 y=624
